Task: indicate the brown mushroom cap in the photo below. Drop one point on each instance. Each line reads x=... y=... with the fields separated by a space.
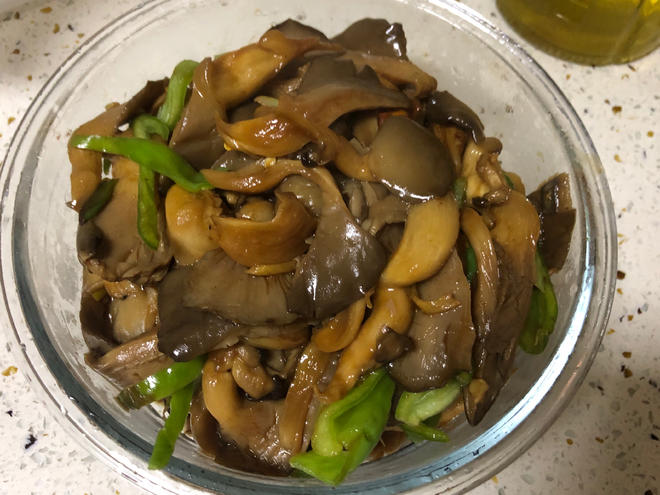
x=442 y=342
x=410 y=160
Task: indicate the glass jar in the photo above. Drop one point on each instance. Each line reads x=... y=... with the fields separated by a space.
x=587 y=31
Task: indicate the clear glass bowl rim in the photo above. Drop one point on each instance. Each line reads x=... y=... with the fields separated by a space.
x=537 y=416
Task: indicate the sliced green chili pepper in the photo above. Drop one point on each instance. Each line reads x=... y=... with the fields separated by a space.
x=470 y=262
x=423 y=432
x=413 y=408
x=145 y=125
x=162 y=384
x=175 y=98
x=147 y=218
x=348 y=430
x=97 y=201
x=460 y=189
x=509 y=182
x=147 y=214
x=155 y=156
x=167 y=436
x=542 y=315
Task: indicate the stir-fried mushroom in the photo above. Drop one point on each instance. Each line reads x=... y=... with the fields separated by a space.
x=86 y=165
x=515 y=236
x=187 y=331
x=276 y=241
x=343 y=261
x=444 y=108
x=553 y=202
x=296 y=120
x=189 y=223
x=428 y=239
x=134 y=315
x=110 y=246
x=410 y=160
x=252 y=426
x=392 y=312
x=217 y=274
x=442 y=342
x=132 y=361
x=351 y=225
x=374 y=37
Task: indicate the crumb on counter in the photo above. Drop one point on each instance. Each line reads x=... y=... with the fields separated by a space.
x=620 y=275
x=617 y=158
x=10 y=370
x=626 y=354
x=46 y=10
x=616 y=109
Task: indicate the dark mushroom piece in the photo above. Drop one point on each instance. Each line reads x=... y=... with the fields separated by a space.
x=374 y=37
x=95 y=323
x=444 y=108
x=410 y=160
x=343 y=261
x=552 y=201
x=515 y=237
x=131 y=362
x=295 y=30
x=442 y=342
x=187 y=332
x=218 y=284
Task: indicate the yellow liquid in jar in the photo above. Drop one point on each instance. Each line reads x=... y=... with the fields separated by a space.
x=587 y=31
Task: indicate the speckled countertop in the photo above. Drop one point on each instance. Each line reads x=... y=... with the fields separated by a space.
x=605 y=442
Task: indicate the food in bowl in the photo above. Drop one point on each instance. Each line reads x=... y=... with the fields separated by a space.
x=309 y=251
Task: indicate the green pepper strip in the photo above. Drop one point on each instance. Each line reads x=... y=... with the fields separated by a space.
x=542 y=315
x=470 y=262
x=145 y=125
x=413 y=408
x=460 y=188
x=423 y=432
x=147 y=218
x=162 y=384
x=155 y=156
x=348 y=430
x=167 y=436
x=97 y=201
x=175 y=98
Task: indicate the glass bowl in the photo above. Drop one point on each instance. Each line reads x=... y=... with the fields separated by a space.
x=518 y=103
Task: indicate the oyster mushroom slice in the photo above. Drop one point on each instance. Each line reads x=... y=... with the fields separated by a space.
x=374 y=37
x=252 y=425
x=442 y=342
x=410 y=160
x=218 y=284
x=187 y=332
x=444 y=108
x=109 y=244
x=487 y=281
x=189 y=221
x=392 y=311
x=515 y=237
x=132 y=361
x=258 y=243
x=428 y=239
x=297 y=120
x=343 y=261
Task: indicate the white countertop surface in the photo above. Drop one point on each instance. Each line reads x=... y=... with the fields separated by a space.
x=605 y=442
